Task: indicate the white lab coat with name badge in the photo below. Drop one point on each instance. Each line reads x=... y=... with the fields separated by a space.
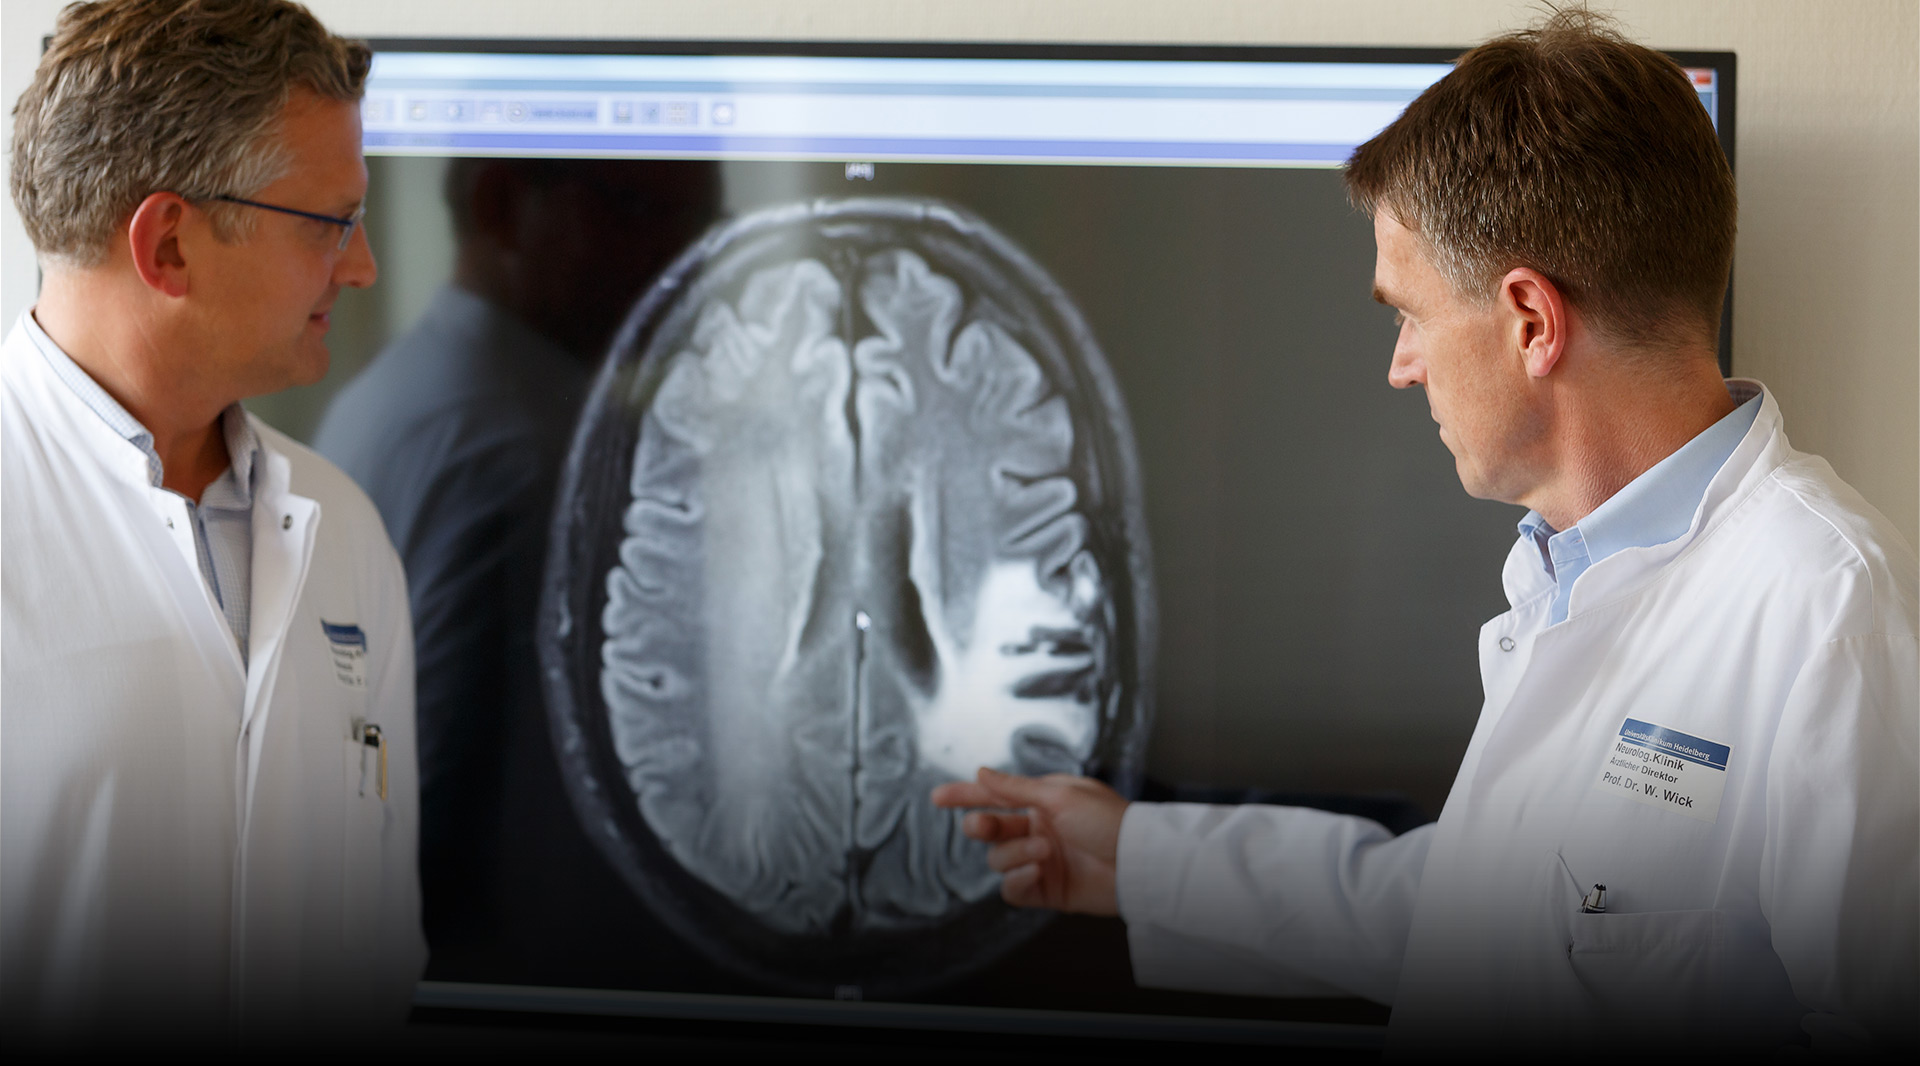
x=186 y=846
x=1782 y=625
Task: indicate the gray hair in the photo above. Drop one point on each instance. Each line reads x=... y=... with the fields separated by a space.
x=135 y=97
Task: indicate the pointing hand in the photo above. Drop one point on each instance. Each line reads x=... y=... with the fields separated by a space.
x=1055 y=838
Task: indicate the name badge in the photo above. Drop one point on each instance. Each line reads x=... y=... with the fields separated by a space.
x=349 y=644
x=1665 y=768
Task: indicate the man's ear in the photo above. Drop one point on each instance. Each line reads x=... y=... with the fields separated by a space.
x=1539 y=316
x=153 y=236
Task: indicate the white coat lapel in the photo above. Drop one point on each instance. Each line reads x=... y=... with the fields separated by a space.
x=284 y=527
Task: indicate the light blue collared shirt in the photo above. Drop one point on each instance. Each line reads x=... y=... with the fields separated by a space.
x=1654 y=508
x=223 y=517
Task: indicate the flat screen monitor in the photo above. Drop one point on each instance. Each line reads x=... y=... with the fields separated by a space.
x=772 y=432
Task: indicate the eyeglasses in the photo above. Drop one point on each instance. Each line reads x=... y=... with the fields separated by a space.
x=347 y=225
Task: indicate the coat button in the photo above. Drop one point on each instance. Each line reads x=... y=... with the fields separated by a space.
x=1506 y=643
x=286 y=521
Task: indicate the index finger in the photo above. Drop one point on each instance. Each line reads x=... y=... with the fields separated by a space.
x=993 y=826
x=966 y=794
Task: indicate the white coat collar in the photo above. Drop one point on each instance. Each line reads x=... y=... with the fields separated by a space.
x=123 y=459
x=1759 y=453
x=72 y=423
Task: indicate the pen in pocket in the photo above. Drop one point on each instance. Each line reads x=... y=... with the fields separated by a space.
x=370 y=736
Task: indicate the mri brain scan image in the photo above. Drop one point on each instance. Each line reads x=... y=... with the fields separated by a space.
x=852 y=511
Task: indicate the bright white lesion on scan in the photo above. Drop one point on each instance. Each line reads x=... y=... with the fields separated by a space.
x=1020 y=632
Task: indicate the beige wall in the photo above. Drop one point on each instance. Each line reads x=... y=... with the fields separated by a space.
x=1828 y=271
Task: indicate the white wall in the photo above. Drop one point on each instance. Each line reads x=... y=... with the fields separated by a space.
x=1828 y=269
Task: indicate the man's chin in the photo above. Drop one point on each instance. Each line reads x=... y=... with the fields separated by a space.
x=309 y=365
x=1470 y=480
x=317 y=372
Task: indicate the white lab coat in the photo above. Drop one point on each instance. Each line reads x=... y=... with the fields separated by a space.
x=1782 y=626
x=186 y=844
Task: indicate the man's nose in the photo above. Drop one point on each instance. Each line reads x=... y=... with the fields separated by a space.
x=356 y=267
x=1407 y=370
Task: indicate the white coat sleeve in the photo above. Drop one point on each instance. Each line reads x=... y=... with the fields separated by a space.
x=402 y=951
x=1260 y=900
x=1840 y=870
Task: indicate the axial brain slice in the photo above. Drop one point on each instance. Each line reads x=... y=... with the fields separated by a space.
x=854 y=565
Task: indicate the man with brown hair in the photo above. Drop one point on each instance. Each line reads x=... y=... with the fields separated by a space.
x=1687 y=814
x=209 y=816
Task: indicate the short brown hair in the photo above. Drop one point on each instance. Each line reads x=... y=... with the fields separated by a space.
x=1570 y=150
x=138 y=96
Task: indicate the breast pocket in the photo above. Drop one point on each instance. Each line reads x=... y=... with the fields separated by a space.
x=1656 y=968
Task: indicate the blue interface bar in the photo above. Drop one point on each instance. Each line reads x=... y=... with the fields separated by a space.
x=880 y=109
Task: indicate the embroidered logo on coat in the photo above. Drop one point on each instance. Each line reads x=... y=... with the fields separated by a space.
x=349 y=644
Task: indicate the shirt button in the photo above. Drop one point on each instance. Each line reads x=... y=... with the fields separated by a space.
x=286 y=521
x=1506 y=643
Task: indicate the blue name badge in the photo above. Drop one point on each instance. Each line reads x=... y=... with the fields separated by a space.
x=1665 y=768
x=349 y=645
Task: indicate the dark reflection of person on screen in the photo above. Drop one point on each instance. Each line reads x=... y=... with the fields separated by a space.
x=457 y=430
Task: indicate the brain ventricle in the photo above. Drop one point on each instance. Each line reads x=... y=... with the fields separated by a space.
x=858 y=559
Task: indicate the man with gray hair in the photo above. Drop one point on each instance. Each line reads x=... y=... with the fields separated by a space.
x=209 y=817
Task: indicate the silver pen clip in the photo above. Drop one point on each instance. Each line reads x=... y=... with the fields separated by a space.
x=372 y=737
x=373 y=743
x=1596 y=901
